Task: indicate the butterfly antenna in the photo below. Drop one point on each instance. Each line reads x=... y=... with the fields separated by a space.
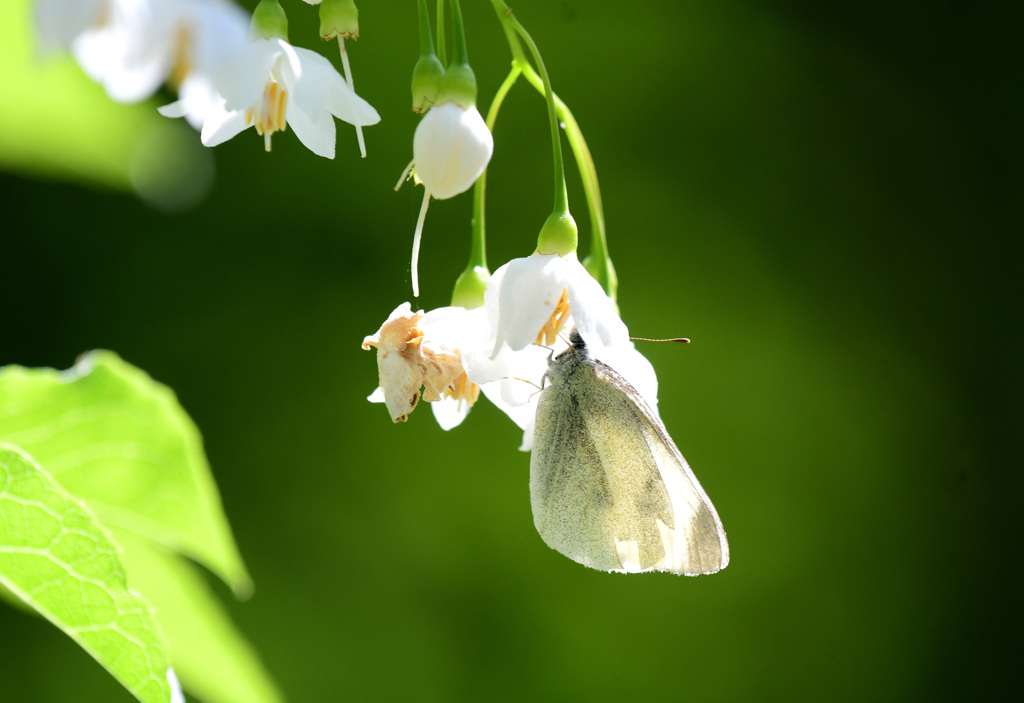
x=684 y=340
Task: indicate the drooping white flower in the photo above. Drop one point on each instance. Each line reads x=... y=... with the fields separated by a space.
x=269 y=84
x=529 y=301
x=126 y=45
x=417 y=350
x=212 y=33
x=58 y=22
x=451 y=148
x=437 y=356
x=504 y=349
x=134 y=46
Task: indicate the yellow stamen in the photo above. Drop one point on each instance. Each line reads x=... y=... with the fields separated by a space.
x=182 y=60
x=463 y=390
x=549 y=332
x=269 y=114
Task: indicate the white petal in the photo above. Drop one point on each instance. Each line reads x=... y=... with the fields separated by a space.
x=592 y=310
x=175 y=109
x=457 y=329
x=217 y=31
x=377 y=396
x=241 y=78
x=450 y=412
x=632 y=366
x=132 y=51
x=344 y=104
x=58 y=22
x=522 y=415
x=451 y=148
x=316 y=131
x=524 y=294
x=221 y=125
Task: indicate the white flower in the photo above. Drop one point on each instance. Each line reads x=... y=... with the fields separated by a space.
x=269 y=83
x=451 y=148
x=126 y=45
x=529 y=301
x=58 y=22
x=502 y=350
x=213 y=32
x=436 y=356
x=417 y=350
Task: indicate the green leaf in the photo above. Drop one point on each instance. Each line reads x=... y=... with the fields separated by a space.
x=212 y=659
x=57 y=559
x=119 y=441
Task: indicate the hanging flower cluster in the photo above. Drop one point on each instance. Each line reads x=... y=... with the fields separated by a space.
x=503 y=348
x=233 y=71
x=230 y=73
x=502 y=330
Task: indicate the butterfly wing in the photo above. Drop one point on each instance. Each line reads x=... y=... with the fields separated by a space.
x=609 y=488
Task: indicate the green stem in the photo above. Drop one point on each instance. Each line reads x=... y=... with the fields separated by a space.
x=440 y=33
x=509 y=22
x=598 y=260
x=459 y=55
x=478 y=253
x=426 y=40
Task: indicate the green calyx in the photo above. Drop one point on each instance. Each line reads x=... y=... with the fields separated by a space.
x=427 y=76
x=269 y=21
x=458 y=86
x=558 y=235
x=469 y=288
x=339 y=18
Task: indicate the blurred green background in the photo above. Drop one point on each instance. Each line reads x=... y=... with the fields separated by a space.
x=825 y=197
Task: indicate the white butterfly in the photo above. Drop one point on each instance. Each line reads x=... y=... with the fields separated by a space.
x=608 y=486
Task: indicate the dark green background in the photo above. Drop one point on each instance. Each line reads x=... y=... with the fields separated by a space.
x=825 y=197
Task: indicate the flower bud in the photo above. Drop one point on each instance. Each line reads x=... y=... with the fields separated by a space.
x=451 y=148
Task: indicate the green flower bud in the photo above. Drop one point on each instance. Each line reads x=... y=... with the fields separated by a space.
x=458 y=86
x=339 y=18
x=269 y=21
x=426 y=80
x=558 y=235
x=469 y=288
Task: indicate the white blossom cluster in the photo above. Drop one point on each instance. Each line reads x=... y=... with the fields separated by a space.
x=502 y=349
x=226 y=82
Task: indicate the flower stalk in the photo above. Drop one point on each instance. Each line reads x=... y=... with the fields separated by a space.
x=598 y=262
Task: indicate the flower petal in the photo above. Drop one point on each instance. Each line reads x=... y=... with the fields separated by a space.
x=344 y=104
x=220 y=125
x=451 y=148
x=521 y=296
x=450 y=412
x=315 y=130
x=241 y=78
